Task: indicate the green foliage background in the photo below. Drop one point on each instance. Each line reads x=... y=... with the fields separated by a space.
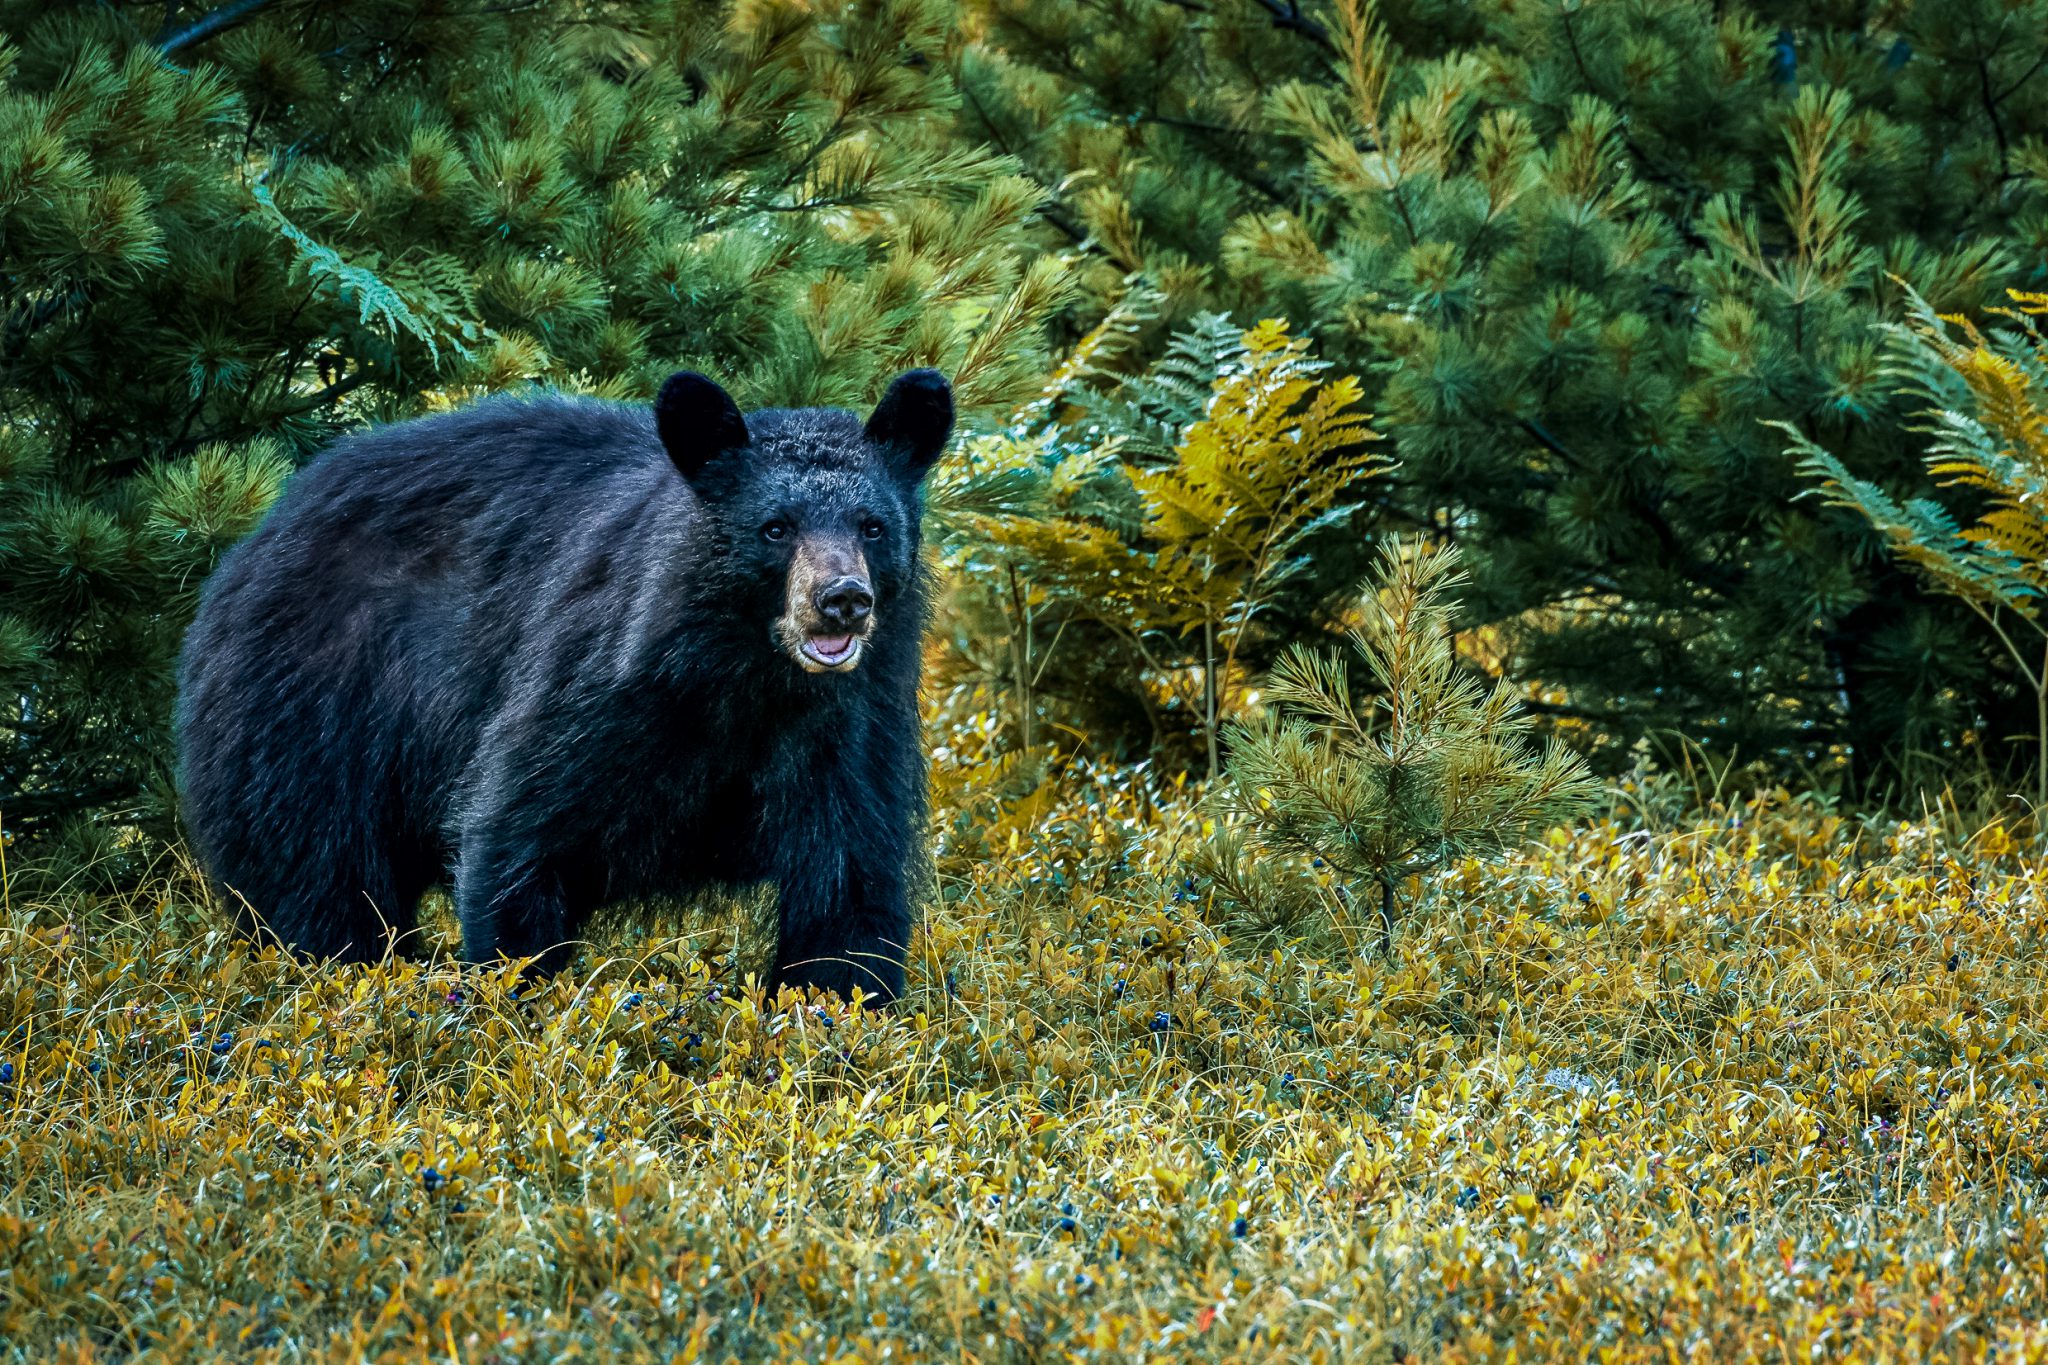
x=1577 y=256
x=220 y=246
x=1581 y=251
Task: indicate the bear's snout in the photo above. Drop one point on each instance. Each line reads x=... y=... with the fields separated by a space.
x=845 y=601
x=828 y=610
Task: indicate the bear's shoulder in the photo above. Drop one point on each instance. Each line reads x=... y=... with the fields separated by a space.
x=501 y=452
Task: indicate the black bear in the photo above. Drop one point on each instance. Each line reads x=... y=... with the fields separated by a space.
x=575 y=652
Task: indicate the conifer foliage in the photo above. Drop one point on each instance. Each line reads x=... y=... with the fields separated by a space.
x=1435 y=767
x=228 y=233
x=1581 y=252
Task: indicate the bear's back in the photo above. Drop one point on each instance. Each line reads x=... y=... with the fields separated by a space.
x=502 y=482
x=435 y=549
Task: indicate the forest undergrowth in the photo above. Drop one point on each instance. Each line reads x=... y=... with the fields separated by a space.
x=1753 y=1082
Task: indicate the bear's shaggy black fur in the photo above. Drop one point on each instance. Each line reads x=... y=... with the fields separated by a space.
x=575 y=652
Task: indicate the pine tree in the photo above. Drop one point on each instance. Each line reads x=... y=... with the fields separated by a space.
x=1581 y=253
x=1434 y=768
x=227 y=234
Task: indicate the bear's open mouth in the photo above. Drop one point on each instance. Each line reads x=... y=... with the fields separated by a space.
x=831 y=651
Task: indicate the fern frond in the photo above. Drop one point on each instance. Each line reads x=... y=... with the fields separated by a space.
x=1987 y=423
x=363 y=288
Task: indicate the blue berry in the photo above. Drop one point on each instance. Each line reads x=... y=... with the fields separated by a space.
x=1161 y=1022
x=1240 y=1228
x=432 y=1178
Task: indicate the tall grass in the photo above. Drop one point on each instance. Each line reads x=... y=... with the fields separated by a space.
x=1765 y=1084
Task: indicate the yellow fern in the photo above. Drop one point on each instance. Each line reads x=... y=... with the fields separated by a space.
x=1987 y=414
x=1277 y=448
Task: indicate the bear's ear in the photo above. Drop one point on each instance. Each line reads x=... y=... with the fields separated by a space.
x=914 y=420
x=697 y=420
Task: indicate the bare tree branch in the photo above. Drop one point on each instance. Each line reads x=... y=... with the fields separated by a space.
x=1287 y=14
x=209 y=24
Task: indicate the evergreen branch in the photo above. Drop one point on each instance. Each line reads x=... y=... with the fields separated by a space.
x=43 y=312
x=1235 y=161
x=2025 y=77
x=1991 y=102
x=334 y=392
x=1049 y=208
x=1707 y=575
x=15 y=336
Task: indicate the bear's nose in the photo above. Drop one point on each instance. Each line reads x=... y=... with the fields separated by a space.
x=845 y=601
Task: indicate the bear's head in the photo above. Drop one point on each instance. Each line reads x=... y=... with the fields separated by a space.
x=815 y=512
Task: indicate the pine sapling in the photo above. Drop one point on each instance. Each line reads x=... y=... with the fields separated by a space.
x=1437 y=766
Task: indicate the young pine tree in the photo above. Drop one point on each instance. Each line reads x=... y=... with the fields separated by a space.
x=1433 y=768
x=228 y=233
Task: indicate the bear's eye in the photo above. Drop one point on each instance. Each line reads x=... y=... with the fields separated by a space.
x=775 y=530
x=873 y=529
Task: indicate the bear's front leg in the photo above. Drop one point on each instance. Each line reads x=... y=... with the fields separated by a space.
x=839 y=817
x=511 y=906
x=843 y=925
